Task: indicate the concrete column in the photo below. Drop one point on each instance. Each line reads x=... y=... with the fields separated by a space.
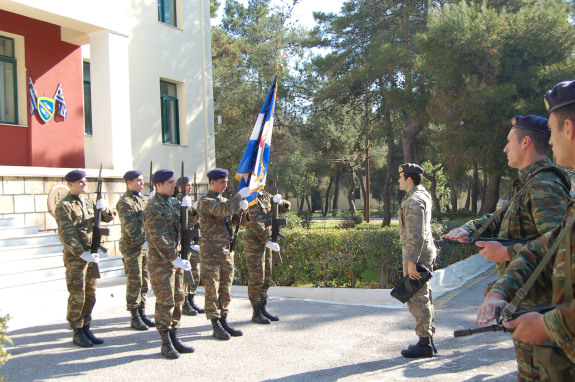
x=111 y=143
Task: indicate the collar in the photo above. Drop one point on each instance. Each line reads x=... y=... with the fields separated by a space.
x=526 y=171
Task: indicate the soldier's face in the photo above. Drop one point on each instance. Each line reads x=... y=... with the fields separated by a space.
x=188 y=188
x=562 y=140
x=168 y=187
x=78 y=187
x=514 y=149
x=403 y=183
x=219 y=185
x=136 y=185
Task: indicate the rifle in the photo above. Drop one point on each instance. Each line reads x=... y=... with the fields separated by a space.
x=151 y=183
x=276 y=223
x=196 y=233
x=500 y=320
x=185 y=241
x=471 y=242
x=98 y=232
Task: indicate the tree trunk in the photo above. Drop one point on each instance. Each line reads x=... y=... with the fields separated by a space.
x=491 y=195
x=363 y=193
x=410 y=131
x=453 y=196
x=388 y=172
x=335 y=204
x=331 y=179
x=300 y=207
x=308 y=203
x=474 y=187
x=433 y=191
x=468 y=199
x=351 y=193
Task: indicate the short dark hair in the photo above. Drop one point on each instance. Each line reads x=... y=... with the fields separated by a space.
x=564 y=113
x=416 y=178
x=540 y=140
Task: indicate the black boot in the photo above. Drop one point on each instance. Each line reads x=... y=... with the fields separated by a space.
x=178 y=345
x=193 y=304
x=233 y=332
x=187 y=309
x=136 y=322
x=95 y=340
x=168 y=350
x=257 y=315
x=423 y=349
x=265 y=313
x=219 y=332
x=145 y=319
x=80 y=339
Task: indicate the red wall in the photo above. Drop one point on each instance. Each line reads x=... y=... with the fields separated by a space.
x=49 y=62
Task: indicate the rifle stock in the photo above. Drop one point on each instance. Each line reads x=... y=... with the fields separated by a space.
x=185 y=237
x=97 y=232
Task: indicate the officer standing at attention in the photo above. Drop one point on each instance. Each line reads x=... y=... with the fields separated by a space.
x=75 y=218
x=258 y=252
x=134 y=248
x=417 y=247
x=550 y=334
x=162 y=226
x=217 y=263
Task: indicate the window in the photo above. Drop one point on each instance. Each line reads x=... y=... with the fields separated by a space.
x=170 y=118
x=87 y=100
x=8 y=82
x=167 y=12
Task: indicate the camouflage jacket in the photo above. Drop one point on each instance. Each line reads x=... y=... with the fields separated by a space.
x=131 y=210
x=560 y=322
x=539 y=207
x=75 y=218
x=259 y=218
x=162 y=226
x=415 y=232
x=214 y=211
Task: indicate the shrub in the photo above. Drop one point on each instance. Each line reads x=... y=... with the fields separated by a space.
x=4 y=355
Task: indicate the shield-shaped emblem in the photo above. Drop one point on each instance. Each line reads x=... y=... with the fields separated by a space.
x=46 y=108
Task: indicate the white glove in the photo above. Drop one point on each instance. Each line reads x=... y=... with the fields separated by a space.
x=278 y=199
x=244 y=204
x=195 y=248
x=195 y=205
x=151 y=194
x=245 y=192
x=90 y=257
x=187 y=202
x=145 y=245
x=273 y=246
x=182 y=264
x=101 y=204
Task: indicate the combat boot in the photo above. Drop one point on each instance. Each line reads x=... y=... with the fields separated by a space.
x=80 y=339
x=95 y=340
x=187 y=309
x=179 y=345
x=193 y=304
x=265 y=313
x=219 y=332
x=136 y=322
x=168 y=350
x=233 y=332
x=145 y=319
x=423 y=349
x=257 y=315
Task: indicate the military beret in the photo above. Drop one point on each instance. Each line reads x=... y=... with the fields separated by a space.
x=75 y=175
x=179 y=181
x=217 y=173
x=410 y=168
x=133 y=174
x=562 y=94
x=162 y=175
x=530 y=122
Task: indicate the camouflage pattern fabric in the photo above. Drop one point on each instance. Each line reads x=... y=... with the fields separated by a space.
x=194 y=257
x=416 y=239
x=75 y=218
x=217 y=263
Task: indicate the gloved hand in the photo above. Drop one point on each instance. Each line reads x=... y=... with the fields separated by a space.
x=101 y=204
x=195 y=205
x=195 y=248
x=273 y=246
x=245 y=192
x=151 y=194
x=187 y=202
x=145 y=245
x=278 y=198
x=90 y=257
x=182 y=264
x=244 y=205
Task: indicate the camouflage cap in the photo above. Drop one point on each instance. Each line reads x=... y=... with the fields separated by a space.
x=75 y=175
x=132 y=174
x=410 y=168
x=162 y=175
x=562 y=94
x=530 y=122
x=179 y=181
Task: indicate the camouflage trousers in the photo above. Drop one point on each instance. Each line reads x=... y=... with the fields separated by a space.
x=137 y=278
x=217 y=270
x=168 y=286
x=195 y=261
x=420 y=306
x=81 y=289
x=542 y=363
x=259 y=264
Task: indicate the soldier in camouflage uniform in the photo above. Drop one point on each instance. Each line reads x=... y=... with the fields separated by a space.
x=75 y=218
x=217 y=263
x=550 y=335
x=258 y=252
x=417 y=247
x=134 y=248
x=162 y=228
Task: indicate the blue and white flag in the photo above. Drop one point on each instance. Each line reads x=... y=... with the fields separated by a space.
x=253 y=167
x=33 y=97
x=59 y=98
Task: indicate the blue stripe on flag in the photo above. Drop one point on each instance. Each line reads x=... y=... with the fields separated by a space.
x=33 y=97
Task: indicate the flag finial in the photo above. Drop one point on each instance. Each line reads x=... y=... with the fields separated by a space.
x=280 y=66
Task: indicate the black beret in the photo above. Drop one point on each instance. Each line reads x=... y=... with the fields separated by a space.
x=217 y=173
x=162 y=175
x=133 y=174
x=75 y=175
x=410 y=168
x=179 y=181
x=530 y=122
x=562 y=94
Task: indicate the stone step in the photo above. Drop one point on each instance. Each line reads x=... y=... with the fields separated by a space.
x=25 y=240
x=6 y=221
x=9 y=232
x=28 y=251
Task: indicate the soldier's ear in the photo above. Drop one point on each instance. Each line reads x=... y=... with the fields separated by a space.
x=569 y=127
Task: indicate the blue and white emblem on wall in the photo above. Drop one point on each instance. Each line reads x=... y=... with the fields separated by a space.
x=46 y=108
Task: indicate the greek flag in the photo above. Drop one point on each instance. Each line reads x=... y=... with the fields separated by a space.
x=33 y=97
x=59 y=98
x=253 y=167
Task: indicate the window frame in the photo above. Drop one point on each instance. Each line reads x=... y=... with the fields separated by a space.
x=165 y=100
x=87 y=111
x=14 y=62
x=163 y=7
